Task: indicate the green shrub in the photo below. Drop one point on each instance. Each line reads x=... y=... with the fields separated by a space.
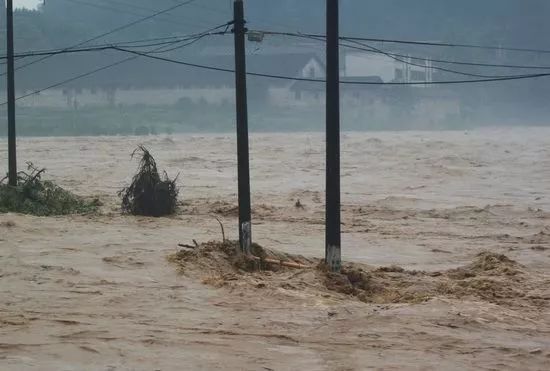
x=34 y=196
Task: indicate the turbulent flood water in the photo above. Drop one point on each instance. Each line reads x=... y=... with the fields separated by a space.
x=97 y=292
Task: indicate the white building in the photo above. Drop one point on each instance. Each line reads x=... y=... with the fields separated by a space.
x=399 y=69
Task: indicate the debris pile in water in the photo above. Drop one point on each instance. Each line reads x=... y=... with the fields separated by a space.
x=489 y=277
x=149 y=194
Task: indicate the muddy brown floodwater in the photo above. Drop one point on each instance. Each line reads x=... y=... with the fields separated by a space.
x=450 y=232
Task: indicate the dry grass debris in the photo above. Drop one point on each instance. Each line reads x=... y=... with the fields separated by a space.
x=489 y=277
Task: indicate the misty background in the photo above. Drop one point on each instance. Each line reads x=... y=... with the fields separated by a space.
x=143 y=96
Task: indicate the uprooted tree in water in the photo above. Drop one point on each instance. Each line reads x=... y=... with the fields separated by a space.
x=149 y=194
x=35 y=196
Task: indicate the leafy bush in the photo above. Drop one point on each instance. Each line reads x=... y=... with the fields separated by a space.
x=34 y=196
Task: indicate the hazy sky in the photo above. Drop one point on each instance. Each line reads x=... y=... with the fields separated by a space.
x=25 y=3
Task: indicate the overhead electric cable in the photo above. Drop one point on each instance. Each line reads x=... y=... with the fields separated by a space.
x=370 y=48
x=412 y=42
x=124 y=44
x=392 y=55
x=77 y=77
x=137 y=54
x=130 y=12
x=120 y=28
x=351 y=82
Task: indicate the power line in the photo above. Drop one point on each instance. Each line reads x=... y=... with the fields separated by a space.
x=117 y=10
x=120 y=28
x=106 y=46
x=137 y=54
x=129 y=4
x=448 y=70
x=188 y=43
x=126 y=44
x=129 y=43
x=452 y=45
x=350 y=82
x=80 y=76
x=263 y=22
x=445 y=61
x=34 y=53
x=71 y=79
x=74 y=78
x=370 y=48
x=413 y=42
x=272 y=76
x=398 y=57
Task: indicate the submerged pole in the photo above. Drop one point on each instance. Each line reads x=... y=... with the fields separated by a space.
x=12 y=150
x=333 y=232
x=245 y=225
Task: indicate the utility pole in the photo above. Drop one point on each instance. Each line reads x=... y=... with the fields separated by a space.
x=12 y=152
x=245 y=219
x=333 y=238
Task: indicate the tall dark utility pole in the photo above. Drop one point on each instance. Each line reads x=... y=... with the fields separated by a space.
x=245 y=224
x=12 y=153
x=333 y=239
